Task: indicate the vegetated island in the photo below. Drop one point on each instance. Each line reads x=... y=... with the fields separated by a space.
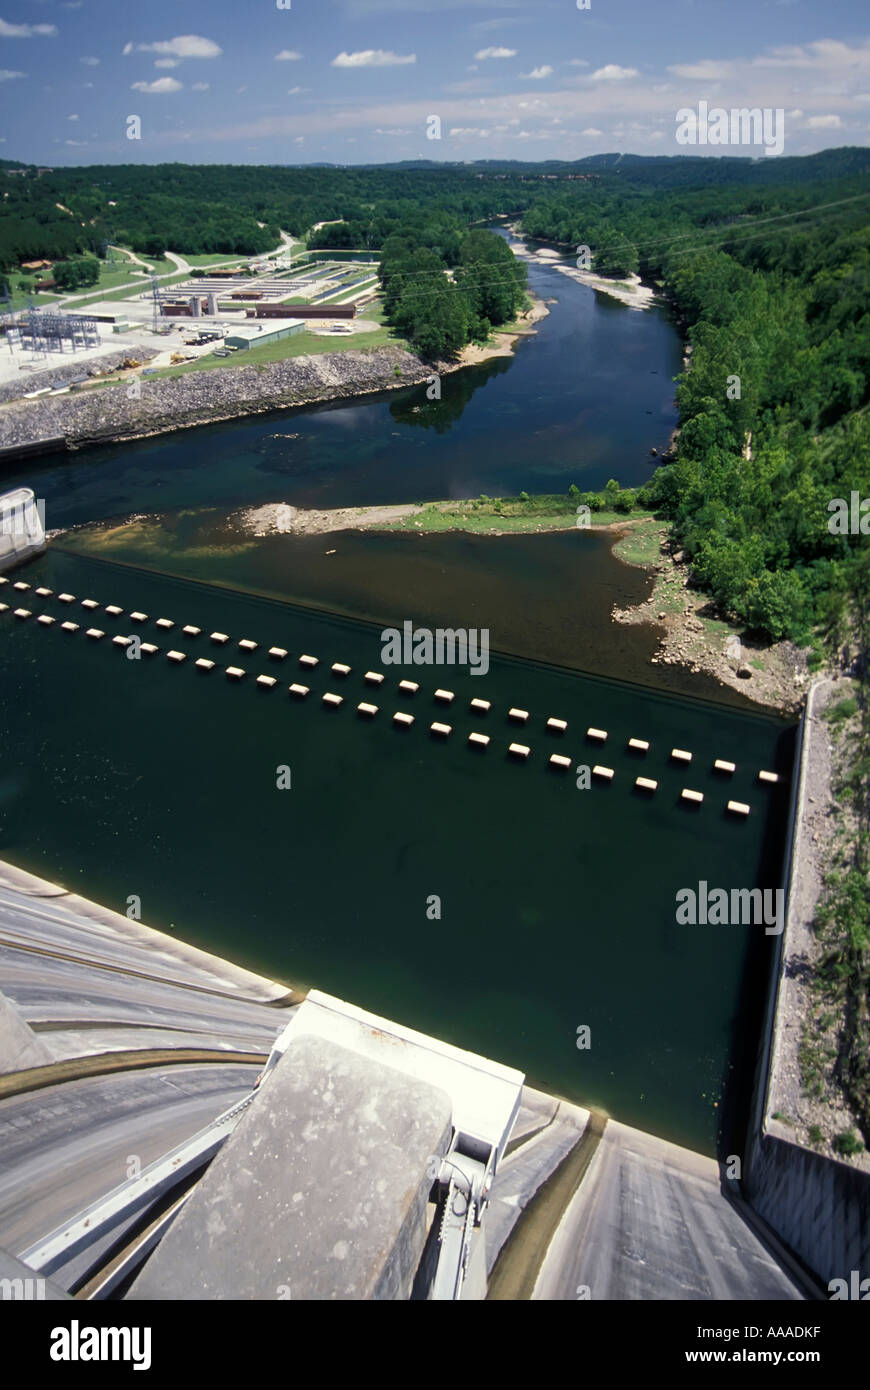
x=694 y=632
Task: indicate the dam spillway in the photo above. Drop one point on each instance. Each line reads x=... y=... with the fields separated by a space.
x=172 y=773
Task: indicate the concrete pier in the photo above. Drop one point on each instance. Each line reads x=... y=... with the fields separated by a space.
x=646 y=784
x=95 y=633
x=113 y=610
x=403 y=720
x=597 y=735
x=480 y=706
x=694 y=797
x=203 y=664
x=519 y=716
x=266 y=682
x=519 y=750
x=478 y=740
x=374 y=678
x=557 y=726
x=339 y=668
x=165 y=623
x=66 y=598
x=235 y=673
x=191 y=631
x=277 y=653
x=638 y=745
x=88 y=602
x=366 y=709
x=332 y=701
x=722 y=765
x=220 y=638
x=149 y=649
x=442 y=730
x=70 y=627
x=445 y=697
x=738 y=808
x=770 y=777
x=45 y=619
x=176 y=657
x=247 y=645
x=605 y=773
x=409 y=687
x=300 y=691
x=22 y=613
x=138 y=617
x=679 y=755
x=560 y=762
x=309 y=661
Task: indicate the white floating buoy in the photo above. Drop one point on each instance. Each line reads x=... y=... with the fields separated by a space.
x=369 y=710
x=86 y=602
x=646 y=784
x=597 y=735
x=519 y=750
x=3 y=579
x=66 y=598
x=45 y=619
x=403 y=720
x=70 y=627
x=679 y=755
x=277 y=653
x=266 y=682
x=22 y=586
x=333 y=701
x=374 y=677
x=480 y=706
x=247 y=645
x=203 y=664
x=445 y=696
x=220 y=638
x=45 y=593
x=113 y=610
x=408 y=687
x=95 y=633
x=559 y=761
x=771 y=777
x=165 y=623
x=605 y=772
x=4 y=607
x=120 y=641
x=300 y=691
x=177 y=657
x=442 y=730
x=695 y=797
x=722 y=766
x=557 y=726
x=310 y=661
x=235 y=673
x=519 y=716
x=639 y=745
x=478 y=740
x=738 y=808
x=139 y=617
x=149 y=648
x=338 y=668
x=191 y=631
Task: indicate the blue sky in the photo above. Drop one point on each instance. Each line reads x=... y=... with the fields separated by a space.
x=355 y=81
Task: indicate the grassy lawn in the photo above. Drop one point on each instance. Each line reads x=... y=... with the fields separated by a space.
x=540 y=513
x=642 y=544
x=19 y=299
x=203 y=262
x=142 y=287
x=304 y=345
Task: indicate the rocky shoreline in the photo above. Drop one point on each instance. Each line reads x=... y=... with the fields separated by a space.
x=143 y=406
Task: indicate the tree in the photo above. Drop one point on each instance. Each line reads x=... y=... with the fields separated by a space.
x=72 y=275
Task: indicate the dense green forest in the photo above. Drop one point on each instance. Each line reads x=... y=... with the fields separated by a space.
x=772 y=287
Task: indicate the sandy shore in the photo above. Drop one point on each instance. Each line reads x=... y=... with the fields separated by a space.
x=629 y=291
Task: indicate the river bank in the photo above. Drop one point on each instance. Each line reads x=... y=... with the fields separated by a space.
x=692 y=634
x=138 y=407
x=630 y=291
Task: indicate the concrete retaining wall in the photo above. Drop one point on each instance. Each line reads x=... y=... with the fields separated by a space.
x=819 y=1207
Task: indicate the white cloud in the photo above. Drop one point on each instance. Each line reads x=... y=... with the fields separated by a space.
x=90 y=62
x=373 y=58
x=296 y=91
x=162 y=84
x=287 y=55
x=707 y=70
x=544 y=71
x=72 y=118
x=200 y=86
x=166 y=62
x=75 y=142
x=6 y=74
x=612 y=72
x=590 y=130
x=824 y=122
x=484 y=53
x=577 y=63
x=394 y=130
x=25 y=31
x=184 y=46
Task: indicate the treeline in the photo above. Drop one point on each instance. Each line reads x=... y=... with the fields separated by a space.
x=442 y=289
x=771 y=286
